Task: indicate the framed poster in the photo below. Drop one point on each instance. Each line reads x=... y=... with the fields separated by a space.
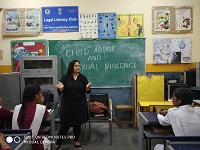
x=172 y=50
x=130 y=25
x=107 y=25
x=172 y=19
x=88 y=26
x=21 y=22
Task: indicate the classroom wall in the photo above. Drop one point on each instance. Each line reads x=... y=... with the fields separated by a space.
x=95 y=6
x=121 y=7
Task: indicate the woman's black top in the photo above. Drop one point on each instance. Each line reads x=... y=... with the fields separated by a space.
x=74 y=110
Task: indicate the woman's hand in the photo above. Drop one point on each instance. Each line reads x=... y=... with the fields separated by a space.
x=88 y=86
x=60 y=86
x=40 y=100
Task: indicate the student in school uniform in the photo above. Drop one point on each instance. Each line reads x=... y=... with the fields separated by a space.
x=5 y=116
x=29 y=115
x=184 y=118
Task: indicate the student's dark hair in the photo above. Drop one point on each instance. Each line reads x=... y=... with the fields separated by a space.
x=184 y=94
x=28 y=95
x=71 y=67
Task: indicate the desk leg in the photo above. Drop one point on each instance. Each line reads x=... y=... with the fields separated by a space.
x=141 y=136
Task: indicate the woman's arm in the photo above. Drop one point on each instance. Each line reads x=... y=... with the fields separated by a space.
x=163 y=120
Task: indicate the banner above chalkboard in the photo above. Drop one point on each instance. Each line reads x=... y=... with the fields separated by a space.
x=60 y=19
x=106 y=63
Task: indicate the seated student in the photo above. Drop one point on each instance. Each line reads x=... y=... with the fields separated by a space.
x=184 y=119
x=5 y=115
x=3 y=144
x=29 y=115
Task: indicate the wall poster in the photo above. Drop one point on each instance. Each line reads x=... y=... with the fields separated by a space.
x=21 y=22
x=88 y=26
x=172 y=50
x=107 y=25
x=183 y=19
x=172 y=20
x=130 y=25
x=162 y=20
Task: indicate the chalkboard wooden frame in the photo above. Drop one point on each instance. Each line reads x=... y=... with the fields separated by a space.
x=106 y=63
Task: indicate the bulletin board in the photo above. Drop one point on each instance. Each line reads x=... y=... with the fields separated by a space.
x=21 y=22
x=172 y=20
x=26 y=48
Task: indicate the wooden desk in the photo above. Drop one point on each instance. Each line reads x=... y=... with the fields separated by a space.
x=143 y=104
x=148 y=118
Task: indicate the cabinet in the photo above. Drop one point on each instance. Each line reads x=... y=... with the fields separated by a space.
x=43 y=70
x=10 y=90
x=146 y=88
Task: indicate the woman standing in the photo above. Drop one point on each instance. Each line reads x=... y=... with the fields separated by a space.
x=73 y=111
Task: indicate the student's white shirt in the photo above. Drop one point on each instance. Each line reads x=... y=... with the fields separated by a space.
x=164 y=120
x=185 y=121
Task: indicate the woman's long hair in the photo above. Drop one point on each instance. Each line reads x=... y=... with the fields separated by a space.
x=29 y=94
x=71 y=67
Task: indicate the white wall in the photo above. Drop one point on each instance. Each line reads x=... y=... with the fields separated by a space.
x=95 y=6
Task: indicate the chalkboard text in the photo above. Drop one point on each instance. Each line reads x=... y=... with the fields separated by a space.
x=78 y=52
x=104 y=49
x=119 y=66
x=89 y=66
x=105 y=63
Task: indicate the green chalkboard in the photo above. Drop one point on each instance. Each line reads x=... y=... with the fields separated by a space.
x=106 y=63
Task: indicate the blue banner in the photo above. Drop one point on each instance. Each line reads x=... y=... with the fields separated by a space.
x=60 y=19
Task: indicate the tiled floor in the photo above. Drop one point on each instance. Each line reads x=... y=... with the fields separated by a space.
x=124 y=138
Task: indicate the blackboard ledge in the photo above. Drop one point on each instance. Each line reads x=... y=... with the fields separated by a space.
x=112 y=87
